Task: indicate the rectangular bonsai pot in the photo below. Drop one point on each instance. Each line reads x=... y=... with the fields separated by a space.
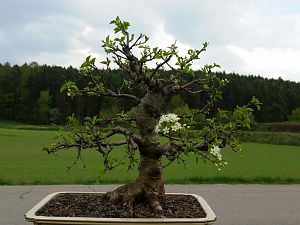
x=47 y=220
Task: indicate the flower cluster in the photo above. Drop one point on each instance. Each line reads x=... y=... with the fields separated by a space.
x=216 y=151
x=69 y=93
x=169 y=122
x=224 y=81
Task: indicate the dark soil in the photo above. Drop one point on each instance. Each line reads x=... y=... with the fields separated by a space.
x=95 y=205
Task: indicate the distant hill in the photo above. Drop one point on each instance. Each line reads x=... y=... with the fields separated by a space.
x=31 y=93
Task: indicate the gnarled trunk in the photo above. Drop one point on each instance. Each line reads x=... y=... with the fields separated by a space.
x=149 y=185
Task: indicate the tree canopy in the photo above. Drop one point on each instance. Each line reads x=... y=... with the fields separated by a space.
x=146 y=129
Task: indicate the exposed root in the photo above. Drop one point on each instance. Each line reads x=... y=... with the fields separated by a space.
x=155 y=205
x=148 y=187
x=133 y=192
x=127 y=194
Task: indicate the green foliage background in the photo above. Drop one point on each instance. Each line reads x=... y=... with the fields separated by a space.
x=23 y=93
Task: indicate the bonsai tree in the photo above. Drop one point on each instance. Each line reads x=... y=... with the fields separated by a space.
x=146 y=130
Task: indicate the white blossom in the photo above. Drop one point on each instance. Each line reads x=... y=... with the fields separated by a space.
x=169 y=122
x=224 y=81
x=69 y=92
x=216 y=151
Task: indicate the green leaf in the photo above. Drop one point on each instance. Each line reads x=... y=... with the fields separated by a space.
x=190 y=51
x=106 y=62
x=256 y=102
x=216 y=65
x=126 y=24
x=205 y=44
x=88 y=119
x=107 y=40
x=117 y=29
x=93 y=61
x=68 y=85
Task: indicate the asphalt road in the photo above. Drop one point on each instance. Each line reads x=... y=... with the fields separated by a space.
x=233 y=204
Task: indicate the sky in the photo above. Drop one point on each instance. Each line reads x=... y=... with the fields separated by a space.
x=257 y=37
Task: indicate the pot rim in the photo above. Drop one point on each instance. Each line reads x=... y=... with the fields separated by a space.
x=32 y=217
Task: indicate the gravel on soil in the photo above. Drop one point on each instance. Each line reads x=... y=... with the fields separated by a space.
x=96 y=205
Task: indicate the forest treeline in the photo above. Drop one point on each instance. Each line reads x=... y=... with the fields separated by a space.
x=31 y=93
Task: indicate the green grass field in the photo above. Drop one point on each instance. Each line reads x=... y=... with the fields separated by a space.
x=23 y=162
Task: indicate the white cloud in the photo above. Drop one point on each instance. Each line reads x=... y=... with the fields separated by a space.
x=1 y=37
x=238 y=31
x=160 y=38
x=275 y=62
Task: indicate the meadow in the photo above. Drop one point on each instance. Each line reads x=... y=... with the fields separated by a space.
x=23 y=162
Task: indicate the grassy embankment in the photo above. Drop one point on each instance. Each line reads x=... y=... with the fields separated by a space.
x=281 y=133
x=23 y=162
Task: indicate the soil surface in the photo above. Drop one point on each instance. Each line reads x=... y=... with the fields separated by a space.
x=96 y=205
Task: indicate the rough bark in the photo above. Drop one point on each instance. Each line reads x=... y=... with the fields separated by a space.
x=149 y=185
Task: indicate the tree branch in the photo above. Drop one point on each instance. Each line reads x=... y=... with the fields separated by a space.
x=127 y=133
x=165 y=61
x=108 y=91
x=120 y=95
x=170 y=147
x=136 y=42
